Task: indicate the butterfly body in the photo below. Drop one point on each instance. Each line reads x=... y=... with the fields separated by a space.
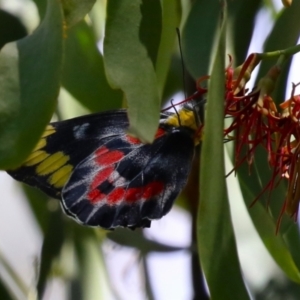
x=105 y=177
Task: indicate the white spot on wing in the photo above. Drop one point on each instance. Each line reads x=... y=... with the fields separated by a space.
x=117 y=179
x=79 y=131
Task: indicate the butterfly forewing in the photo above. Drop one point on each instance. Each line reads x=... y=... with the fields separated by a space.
x=64 y=145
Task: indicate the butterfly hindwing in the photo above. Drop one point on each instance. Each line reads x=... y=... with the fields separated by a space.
x=128 y=184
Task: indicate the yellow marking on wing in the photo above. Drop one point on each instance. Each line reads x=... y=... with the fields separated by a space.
x=186 y=118
x=41 y=144
x=35 y=158
x=52 y=163
x=48 y=131
x=59 y=178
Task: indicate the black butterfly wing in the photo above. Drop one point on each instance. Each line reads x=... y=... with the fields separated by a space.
x=64 y=145
x=126 y=183
x=106 y=177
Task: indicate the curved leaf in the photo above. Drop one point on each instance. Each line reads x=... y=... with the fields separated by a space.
x=216 y=241
x=199 y=35
x=150 y=32
x=53 y=241
x=129 y=67
x=242 y=15
x=29 y=87
x=285 y=33
x=75 y=10
x=266 y=227
x=86 y=79
x=138 y=240
x=90 y=261
x=170 y=21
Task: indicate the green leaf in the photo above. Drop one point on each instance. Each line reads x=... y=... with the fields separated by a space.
x=4 y=292
x=171 y=20
x=53 y=241
x=137 y=240
x=29 y=85
x=285 y=33
x=266 y=227
x=216 y=241
x=75 y=10
x=150 y=32
x=41 y=6
x=291 y=237
x=90 y=260
x=86 y=79
x=14 y=276
x=129 y=67
x=199 y=36
x=39 y=203
x=242 y=16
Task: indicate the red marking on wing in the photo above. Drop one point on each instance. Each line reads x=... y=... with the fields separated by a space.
x=160 y=132
x=132 y=140
x=116 y=195
x=152 y=189
x=130 y=195
x=95 y=196
x=133 y=194
x=109 y=158
x=101 y=151
x=147 y=192
x=101 y=177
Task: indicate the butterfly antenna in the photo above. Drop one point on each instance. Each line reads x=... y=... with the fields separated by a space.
x=182 y=62
x=176 y=111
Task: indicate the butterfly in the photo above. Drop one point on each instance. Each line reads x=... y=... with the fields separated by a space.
x=105 y=177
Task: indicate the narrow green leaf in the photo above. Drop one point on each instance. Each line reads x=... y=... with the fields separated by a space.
x=93 y=284
x=29 y=87
x=150 y=32
x=199 y=36
x=4 y=292
x=291 y=237
x=242 y=17
x=75 y=10
x=41 y=6
x=265 y=212
x=14 y=276
x=148 y=287
x=266 y=228
x=53 y=241
x=284 y=34
x=216 y=241
x=129 y=67
x=174 y=81
x=39 y=203
x=171 y=20
x=139 y=241
x=86 y=79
